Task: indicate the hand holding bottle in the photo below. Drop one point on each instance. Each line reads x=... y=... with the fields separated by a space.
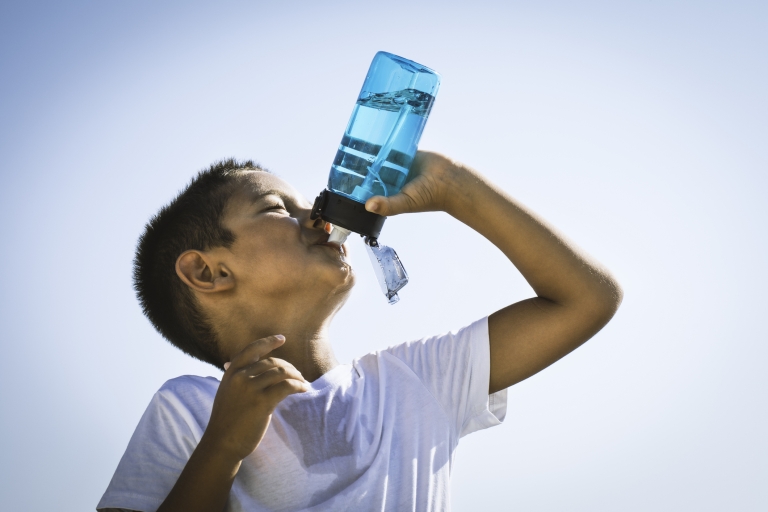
x=435 y=183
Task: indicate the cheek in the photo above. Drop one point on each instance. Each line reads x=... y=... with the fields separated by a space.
x=277 y=265
x=269 y=259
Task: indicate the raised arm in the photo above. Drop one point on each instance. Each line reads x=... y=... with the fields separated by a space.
x=575 y=296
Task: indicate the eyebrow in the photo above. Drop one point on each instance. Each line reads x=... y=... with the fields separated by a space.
x=286 y=197
x=270 y=192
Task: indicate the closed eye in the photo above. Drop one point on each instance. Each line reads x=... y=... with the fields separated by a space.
x=274 y=207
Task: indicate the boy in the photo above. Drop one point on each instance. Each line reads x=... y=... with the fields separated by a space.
x=236 y=273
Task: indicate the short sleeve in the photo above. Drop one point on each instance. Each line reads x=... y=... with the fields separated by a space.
x=456 y=368
x=160 y=447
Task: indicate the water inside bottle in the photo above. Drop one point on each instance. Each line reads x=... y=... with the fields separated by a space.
x=380 y=142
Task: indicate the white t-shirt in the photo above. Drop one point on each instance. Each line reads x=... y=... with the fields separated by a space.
x=379 y=434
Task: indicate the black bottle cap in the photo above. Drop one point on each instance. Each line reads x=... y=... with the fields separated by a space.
x=347 y=213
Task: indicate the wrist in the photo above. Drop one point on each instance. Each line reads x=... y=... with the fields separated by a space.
x=459 y=183
x=205 y=481
x=215 y=451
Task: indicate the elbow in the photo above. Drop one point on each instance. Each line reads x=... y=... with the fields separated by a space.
x=617 y=296
x=608 y=299
x=599 y=301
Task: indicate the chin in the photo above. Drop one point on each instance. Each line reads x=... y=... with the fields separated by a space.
x=350 y=278
x=344 y=292
x=346 y=282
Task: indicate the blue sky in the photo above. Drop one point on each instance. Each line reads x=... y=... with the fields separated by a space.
x=637 y=128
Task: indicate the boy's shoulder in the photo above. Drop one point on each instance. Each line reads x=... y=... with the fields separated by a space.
x=189 y=388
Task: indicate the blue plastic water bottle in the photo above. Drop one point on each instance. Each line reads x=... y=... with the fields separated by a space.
x=375 y=156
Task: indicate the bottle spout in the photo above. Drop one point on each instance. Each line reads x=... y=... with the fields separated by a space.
x=339 y=235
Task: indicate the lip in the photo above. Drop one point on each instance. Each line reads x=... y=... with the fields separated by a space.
x=337 y=247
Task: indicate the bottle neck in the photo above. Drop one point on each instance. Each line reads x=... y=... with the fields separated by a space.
x=344 y=212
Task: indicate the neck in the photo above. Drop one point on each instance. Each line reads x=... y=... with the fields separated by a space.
x=309 y=351
x=307 y=346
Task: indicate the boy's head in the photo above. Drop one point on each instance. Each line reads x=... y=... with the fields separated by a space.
x=235 y=257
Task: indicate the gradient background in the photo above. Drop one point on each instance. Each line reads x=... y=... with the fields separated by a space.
x=637 y=128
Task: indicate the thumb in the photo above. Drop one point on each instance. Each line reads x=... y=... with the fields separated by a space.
x=388 y=206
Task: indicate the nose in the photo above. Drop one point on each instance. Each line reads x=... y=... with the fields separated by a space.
x=319 y=223
x=307 y=221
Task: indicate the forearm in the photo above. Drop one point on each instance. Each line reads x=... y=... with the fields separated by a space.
x=575 y=296
x=554 y=267
x=205 y=482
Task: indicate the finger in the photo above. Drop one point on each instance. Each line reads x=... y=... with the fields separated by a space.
x=388 y=206
x=254 y=351
x=277 y=392
x=259 y=367
x=275 y=375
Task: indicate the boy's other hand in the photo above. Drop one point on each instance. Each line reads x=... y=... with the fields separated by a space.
x=250 y=389
x=433 y=183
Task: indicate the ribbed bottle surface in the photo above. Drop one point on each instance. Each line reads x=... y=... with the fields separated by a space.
x=383 y=133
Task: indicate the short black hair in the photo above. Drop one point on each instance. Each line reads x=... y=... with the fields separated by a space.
x=193 y=220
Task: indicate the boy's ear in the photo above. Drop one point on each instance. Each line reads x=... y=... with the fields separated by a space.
x=202 y=273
